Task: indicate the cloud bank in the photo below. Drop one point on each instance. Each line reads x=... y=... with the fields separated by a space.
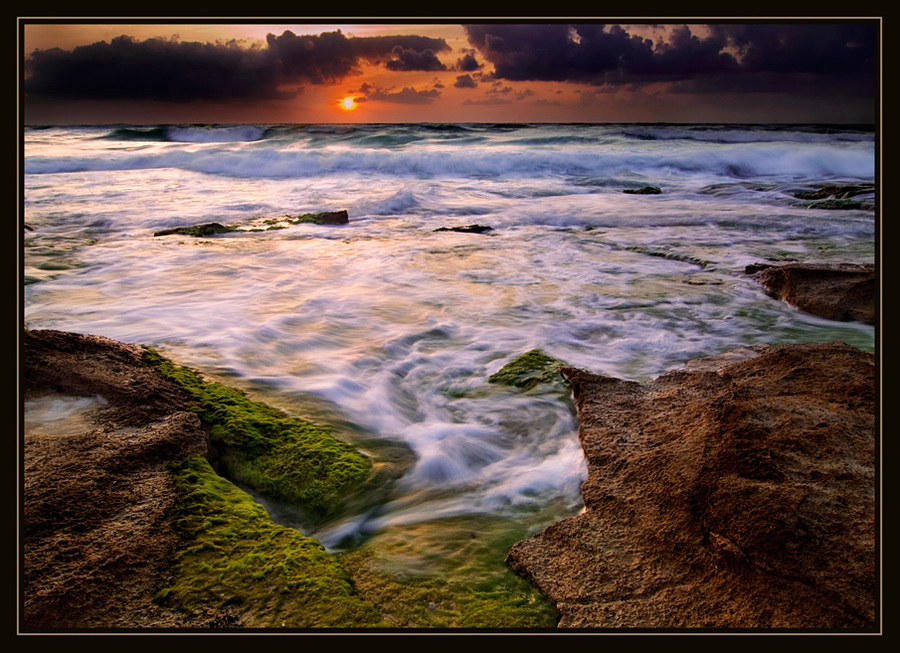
x=171 y=70
x=737 y=56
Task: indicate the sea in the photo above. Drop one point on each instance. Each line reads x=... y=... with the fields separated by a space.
x=390 y=324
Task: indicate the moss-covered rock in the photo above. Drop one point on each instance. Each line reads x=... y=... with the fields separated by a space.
x=528 y=370
x=324 y=217
x=236 y=562
x=289 y=459
x=197 y=230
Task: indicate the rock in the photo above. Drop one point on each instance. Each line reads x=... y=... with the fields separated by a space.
x=97 y=540
x=738 y=495
x=841 y=205
x=529 y=370
x=838 y=197
x=843 y=292
x=832 y=191
x=197 y=231
x=646 y=190
x=468 y=229
x=325 y=217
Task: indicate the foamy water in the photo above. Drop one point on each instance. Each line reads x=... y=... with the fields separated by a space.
x=400 y=326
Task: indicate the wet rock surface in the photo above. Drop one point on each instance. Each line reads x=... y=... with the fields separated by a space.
x=96 y=538
x=736 y=493
x=843 y=292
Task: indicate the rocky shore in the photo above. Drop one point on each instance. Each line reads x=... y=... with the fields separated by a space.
x=840 y=292
x=98 y=493
x=736 y=493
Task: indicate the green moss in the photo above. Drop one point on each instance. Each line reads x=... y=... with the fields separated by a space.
x=238 y=567
x=528 y=370
x=459 y=583
x=264 y=448
x=235 y=560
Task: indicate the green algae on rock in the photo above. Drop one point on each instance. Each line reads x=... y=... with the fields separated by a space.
x=323 y=217
x=446 y=574
x=236 y=562
x=197 y=231
x=528 y=370
x=264 y=448
x=128 y=524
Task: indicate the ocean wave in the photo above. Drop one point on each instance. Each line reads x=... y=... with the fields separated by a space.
x=748 y=133
x=189 y=134
x=473 y=152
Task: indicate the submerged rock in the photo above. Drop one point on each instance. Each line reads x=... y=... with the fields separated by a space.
x=739 y=493
x=838 y=197
x=324 y=217
x=198 y=231
x=646 y=190
x=212 y=228
x=528 y=370
x=832 y=191
x=843 y=292
x=468 y=229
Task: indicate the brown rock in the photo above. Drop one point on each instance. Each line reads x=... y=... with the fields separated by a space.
x=843 y=292
x=97 y=542
x=736 y=494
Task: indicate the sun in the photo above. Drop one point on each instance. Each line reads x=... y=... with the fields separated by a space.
x=348 y=103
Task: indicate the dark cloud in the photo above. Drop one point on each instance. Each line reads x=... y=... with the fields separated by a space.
x=168 y=69
x=797 y=48
x=467 y=63
x=407 y=95
x=406 y=60
x=152 y=69
x=465 y=81
x=609 y=54
x=375 y=48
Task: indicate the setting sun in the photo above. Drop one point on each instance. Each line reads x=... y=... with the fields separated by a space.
x=348 y=103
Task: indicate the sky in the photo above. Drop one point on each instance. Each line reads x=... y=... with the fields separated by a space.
x=380 y=71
